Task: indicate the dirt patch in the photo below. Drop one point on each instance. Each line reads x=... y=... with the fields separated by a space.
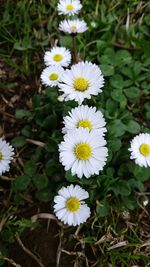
x=15 y=93
x=40 y=242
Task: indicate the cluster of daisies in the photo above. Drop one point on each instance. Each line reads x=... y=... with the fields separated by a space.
x=71 y=8
x=83 y=150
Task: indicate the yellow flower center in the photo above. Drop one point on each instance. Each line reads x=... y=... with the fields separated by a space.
x=69 y=7
x=72 y=204
x=83 y=151
x=84 y=124
x=73 y=27
x=80 y=84
x=57 y=57
x=53 y=77
x=1 y=155
x=145 y=150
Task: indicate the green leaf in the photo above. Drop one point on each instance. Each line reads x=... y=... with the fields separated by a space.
x=30 y=168
x=141 y=173
x=132 y=127
x=65 y=41
x=40 y=181
x=132 y=92
x=148 y=115
x=51 y=146
x=22 y=182
x=109 y=52
x=121 y=188
x=128 y=83
x=23 y=224
x=70 y=178
x=44 y=195
x=107 y=70
x=26 y=131
x=117 y=81
x=137 y=68
x=116 y=128
x=147 y=19
x=36 y=100
x=112 y=107
x=22 y=46
x=110 y=171
x=100 y=44
x=52 y=94
x=118 y=96
x=102 y=208
x=22 y=113
x=52 y=167
x=129 y=202
x=114 y=144
x=48 y=122
x=123 y=57
x=18 y=141
x=7 y=235
x=134 y=183
x=127 y=71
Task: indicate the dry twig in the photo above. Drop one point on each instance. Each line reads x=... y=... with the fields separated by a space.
x=48 y=216
x=118 y=245
x=59 y=249
x=37 y=143
x=11 y=261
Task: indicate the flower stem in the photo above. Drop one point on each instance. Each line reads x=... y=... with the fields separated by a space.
x=74 y=48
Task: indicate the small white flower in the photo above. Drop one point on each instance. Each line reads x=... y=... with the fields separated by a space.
x=81 y=81
x=57 y=56
x=93 y=24
x=69 y=206
x=83 y=152
x=60 y=98
x=140 y=149
x=51 y=75
x=69 y=7
x=86 y=117
x=73 y=26
x=6 y=155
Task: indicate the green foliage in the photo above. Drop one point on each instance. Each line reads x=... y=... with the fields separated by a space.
x=124 y=97
x=18 y=141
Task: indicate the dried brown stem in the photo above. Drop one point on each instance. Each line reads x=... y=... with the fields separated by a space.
x=130 y=48
x=48 y=216
x=59 y=249
x=37 y=143
x=11 y=261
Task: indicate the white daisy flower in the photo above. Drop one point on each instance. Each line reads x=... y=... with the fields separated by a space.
x=140 y=149
x=51 y=75
x=6 y=155
x=69 y=206
x=86 y=117
x=57 y=56
x=81 y=81
x=83 y=152
x=73 y=26
x=69 y=7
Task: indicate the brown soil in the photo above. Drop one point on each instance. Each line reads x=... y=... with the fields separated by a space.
x=15 y=93
x=44 y=244
x=41 y=243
